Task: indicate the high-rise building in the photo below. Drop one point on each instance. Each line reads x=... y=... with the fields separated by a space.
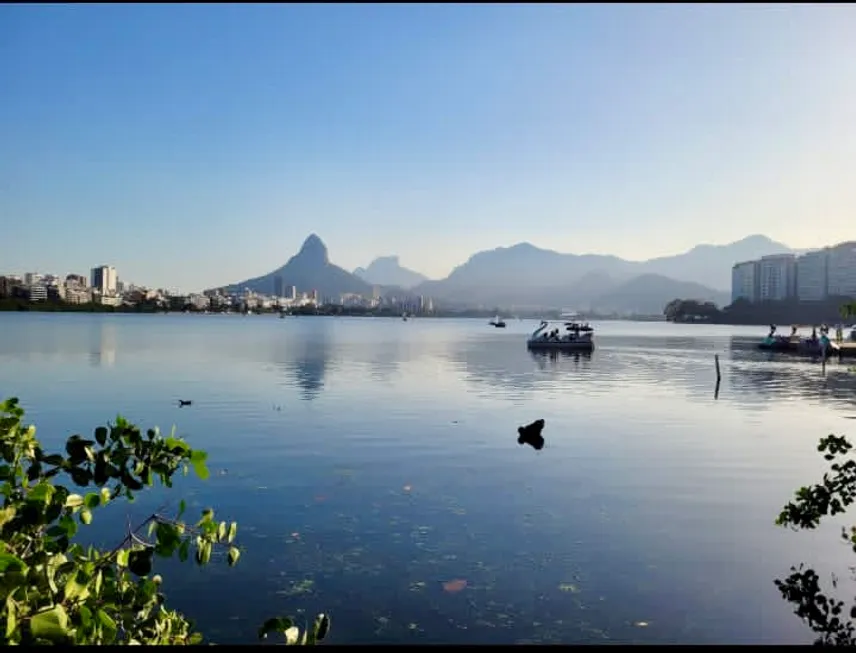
x=104 y=279
x=277 y=286
x=745 y=281
x=842 y=270
x=778 y=277
x=813 y=275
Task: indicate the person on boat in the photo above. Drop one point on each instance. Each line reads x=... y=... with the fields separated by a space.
x=772 y=331
x=794 y=331
x=813 y=334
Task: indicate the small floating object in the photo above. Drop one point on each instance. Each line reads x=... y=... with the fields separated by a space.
x=531 y=434
x=184 y=402
x=453 y=586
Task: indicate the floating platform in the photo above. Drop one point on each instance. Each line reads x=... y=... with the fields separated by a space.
x=834 y=349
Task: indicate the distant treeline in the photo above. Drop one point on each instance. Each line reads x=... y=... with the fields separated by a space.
x=829 y=311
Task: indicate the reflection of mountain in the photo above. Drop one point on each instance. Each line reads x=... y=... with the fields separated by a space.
x=768 y=375
x=102 y=352
x=305 y=359
x=506 y=365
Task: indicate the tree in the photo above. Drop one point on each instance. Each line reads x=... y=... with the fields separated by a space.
x=822 y=613
x=55 y=591
x=848 y=310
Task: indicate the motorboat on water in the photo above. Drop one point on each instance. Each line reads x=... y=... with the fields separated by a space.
x=578 y=336
x=497 y=322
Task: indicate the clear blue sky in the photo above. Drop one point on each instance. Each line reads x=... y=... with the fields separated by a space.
x=193 y=145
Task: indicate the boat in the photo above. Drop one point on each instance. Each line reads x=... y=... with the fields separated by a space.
x=497 y=322
x=814 y=345
x=579 y=336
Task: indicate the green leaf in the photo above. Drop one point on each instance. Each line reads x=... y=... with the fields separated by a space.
x=182 y=506
x=122 y=557
x=41 y=493
x=105 y=495
x=6 y=515
x=108 y=626
x=184 y=550
x=73 y=501
x=10 y=563
x=197 y=459
x=85 y=516
x=11 y=616
x=92 y=500
x=275 y=625
x=234 y=554
x=233 y=531
x=50 y=625
x=75 y=589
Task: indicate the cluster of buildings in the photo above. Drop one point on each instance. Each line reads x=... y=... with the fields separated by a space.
x=104 y=287
x=287 y=296
x=811 y=277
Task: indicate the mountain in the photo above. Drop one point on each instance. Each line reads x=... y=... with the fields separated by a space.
x=309 y=269
x=527 y=276
x=710 y=265
x=387 y=271
x=527 y=266
x=647 y=294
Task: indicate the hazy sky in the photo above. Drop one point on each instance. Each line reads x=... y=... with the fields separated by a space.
x=192 y=145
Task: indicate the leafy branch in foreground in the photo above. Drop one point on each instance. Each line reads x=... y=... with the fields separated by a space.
x=823 y=614
x=55 y=591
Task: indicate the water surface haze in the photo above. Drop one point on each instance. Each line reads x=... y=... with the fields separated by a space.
x=373 y=467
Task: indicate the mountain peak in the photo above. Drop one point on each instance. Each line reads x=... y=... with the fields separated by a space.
x=388 y=271
x=314 y=248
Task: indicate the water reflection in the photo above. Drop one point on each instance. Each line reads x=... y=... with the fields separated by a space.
x=103 y=344
x=758 y=376
x=552 y=359
x=305 y=360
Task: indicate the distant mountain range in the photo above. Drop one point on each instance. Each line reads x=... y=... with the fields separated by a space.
x=387 y=271
x=526 y=276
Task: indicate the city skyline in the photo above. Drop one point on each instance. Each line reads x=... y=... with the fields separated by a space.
x=429 y=132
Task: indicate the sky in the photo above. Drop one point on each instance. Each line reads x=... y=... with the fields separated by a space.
x=195 y=145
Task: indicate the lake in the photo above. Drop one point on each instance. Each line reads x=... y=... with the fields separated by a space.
x=373 y=468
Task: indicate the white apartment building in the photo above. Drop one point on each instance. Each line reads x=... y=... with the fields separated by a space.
x=104 y=279
x=842 y=270
x=778 y=277
x=744 y=281
x=813 y=275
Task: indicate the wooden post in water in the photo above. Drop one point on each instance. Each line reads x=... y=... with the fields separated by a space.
x=718 y=376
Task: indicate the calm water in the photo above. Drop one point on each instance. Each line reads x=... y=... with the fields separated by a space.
x=370 y=461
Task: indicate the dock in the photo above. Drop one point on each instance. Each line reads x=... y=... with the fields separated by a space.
x=843 y=349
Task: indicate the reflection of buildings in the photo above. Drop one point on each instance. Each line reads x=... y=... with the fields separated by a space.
x=104 y=345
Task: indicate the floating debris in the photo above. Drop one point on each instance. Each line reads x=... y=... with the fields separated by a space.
x=569 y=587
x=641 y=624
x=453 y=586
